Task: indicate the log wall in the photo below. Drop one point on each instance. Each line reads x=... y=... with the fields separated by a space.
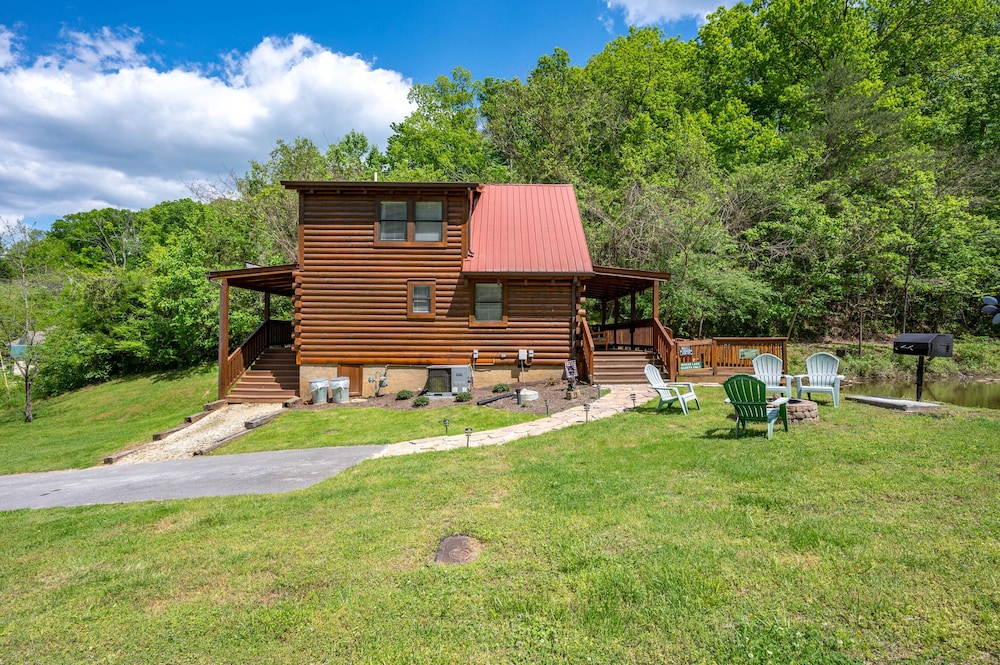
x=351 y=293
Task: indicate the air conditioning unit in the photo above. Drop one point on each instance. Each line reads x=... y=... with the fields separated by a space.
x=448 y=380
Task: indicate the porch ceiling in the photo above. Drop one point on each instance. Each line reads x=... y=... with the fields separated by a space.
x=609 y=283
x=277 y=280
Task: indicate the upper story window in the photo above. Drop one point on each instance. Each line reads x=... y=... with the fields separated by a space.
x=411 y=222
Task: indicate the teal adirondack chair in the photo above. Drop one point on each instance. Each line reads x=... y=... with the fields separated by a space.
x=821 y=375
x=768 y=367
x=749 y=397
x=670 y=392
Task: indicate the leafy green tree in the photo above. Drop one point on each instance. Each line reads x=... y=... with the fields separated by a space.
x=27 y=291
x=107 y=237
x=354 y=157
x=180 y=306
x=440 y=140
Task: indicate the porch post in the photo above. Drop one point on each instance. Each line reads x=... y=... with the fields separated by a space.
x=656 y=299
x=631 y=330
x=267 y=306
x=223 y=338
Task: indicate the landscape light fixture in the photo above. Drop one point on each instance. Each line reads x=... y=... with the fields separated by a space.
x=546 y=407
x=586 y=411
x=468 y=437
x=446 y=422
x=632 y=396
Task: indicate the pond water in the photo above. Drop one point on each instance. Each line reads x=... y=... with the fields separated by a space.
x=979 y=394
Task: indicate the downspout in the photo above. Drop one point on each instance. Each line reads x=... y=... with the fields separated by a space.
x=573 y=318
x=468 y=222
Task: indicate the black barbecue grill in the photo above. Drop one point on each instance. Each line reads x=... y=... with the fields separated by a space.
x=925 y=345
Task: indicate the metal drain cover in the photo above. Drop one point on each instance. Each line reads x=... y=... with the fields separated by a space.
x=458 y=549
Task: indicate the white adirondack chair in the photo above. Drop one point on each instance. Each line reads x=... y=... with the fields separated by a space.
x=767 y=367
x=671 y=391
x=820 y=377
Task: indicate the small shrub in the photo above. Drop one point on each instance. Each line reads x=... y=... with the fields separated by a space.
x=423 y=400
x=404 y=394
x=464 y=396
x=501 y=388
x=551 y=382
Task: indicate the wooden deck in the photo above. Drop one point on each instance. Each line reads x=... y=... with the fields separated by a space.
x=697 y=360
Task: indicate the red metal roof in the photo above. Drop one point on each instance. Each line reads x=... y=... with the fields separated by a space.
x=527 y=229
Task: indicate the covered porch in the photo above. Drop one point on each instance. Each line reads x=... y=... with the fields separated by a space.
x=621 y=344
x=275 y=382
x=617 y=348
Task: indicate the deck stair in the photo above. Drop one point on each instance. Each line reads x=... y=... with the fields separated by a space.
x=622 y=366
x=274 y=377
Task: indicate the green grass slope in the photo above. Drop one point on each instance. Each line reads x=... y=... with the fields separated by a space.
x=368 y=426
x=870 y=537
x=78 y=429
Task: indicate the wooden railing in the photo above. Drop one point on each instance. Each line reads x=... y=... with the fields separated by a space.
x=644 y=334
x=268 y=333
x=638 y=335
x=665 y=347
x=719 y=355
x=727 y=355
x=695 y=355
x=737 y=353
x=587 y=346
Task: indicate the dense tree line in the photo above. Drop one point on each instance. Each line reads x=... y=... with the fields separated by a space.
x=805 y=168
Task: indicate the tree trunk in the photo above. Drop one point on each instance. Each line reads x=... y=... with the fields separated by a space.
x=28 y=417
x=795 y=312
x=906 y=291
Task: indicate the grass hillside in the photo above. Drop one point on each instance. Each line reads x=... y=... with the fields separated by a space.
x=870 y=537
x=78 y=429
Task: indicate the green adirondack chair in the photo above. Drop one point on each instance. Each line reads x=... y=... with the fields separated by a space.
x=749 y=397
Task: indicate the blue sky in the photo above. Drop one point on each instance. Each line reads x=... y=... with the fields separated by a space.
x=127 y=104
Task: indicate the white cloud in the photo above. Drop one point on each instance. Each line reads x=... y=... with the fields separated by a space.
x=95 y=125
x=650 y=12
x=8 y=50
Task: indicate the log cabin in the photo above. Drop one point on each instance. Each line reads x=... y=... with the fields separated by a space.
x=397 y=284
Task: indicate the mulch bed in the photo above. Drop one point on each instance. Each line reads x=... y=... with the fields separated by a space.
x=555 y=394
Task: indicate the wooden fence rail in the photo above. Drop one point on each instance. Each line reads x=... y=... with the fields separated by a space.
x=268 y=333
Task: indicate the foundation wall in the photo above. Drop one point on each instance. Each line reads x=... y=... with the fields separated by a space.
x=415 y=377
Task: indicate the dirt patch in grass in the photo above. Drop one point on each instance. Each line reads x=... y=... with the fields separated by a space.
x=555 y=394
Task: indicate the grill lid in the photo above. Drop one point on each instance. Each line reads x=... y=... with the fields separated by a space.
x=924 y=344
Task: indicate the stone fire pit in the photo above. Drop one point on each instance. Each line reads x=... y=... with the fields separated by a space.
x=802 y=411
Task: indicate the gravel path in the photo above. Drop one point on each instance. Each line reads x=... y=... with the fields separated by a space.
x=217 y=425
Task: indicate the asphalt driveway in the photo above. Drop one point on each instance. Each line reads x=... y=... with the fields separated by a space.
x=222 y=475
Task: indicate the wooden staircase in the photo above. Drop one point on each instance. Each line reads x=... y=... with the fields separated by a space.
x=274 y=377
x=622 y=366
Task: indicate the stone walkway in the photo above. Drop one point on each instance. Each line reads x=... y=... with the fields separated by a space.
x=611 y=404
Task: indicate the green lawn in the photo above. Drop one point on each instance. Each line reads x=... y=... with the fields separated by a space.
x=873 y=536
x=365 y=426
x=78 y=429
